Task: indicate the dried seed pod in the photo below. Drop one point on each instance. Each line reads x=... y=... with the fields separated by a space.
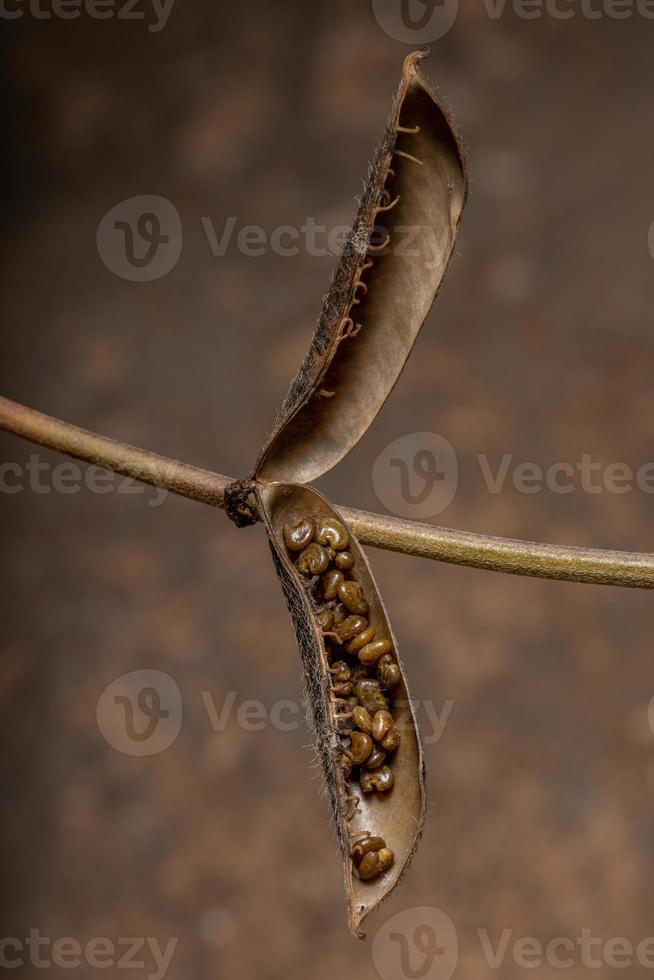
x=400 y=822
x=388 y=672
x=299 y=533
x=313 y=560
x=381 y=779
x=331 y=532
x=376 y=757
x=351 y=627
x=353 y=597
x=365 y=333
x=343 y=560
x=371 y=652
x=359 y=748
x=331 y=581
x=361 y=640
x=362 y=719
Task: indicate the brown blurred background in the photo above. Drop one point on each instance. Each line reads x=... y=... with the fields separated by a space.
x=542 y=786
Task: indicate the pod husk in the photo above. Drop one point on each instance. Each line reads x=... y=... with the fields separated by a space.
x=398 y=815
x=378 y=299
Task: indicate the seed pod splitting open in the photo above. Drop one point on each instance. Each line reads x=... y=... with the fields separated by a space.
x=392 y=266
x=369 y=807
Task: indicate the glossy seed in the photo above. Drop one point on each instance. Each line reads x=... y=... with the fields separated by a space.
x=375 y=863
x=331 y=582
x=326 y=620
x=351 y=627
x=340 y=671
x=362 y=720
x=344 y=560
x=371 y=652
x=340 y=614
x=352 y=595
x=388 y=672
x=366 y=846
x=298 y=534
x=361 y=640
x=331 y=532
x=381 y=779
x=382 y=721
x=313 y=560
x=376 y=757
x=343 y=689
x=359 y=748
x=370 y=696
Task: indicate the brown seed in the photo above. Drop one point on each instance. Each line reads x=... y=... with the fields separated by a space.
x=376 y=757
x=313 y=560
x=298 y=534
x=331 y=532
x=381 y=779
x=386 y=858
x=362 y=720
x=365 y=846
x=370 y=866
x=340 y=671
x=370 y=695
x=340 y=614
x=359 y=748
x=346 y=764
x=326 y=620
x=361 y=640
x=343 y=689
x=371 y=652
x=382 y=721
x=351 y=626
x=352 y=595
x=388 y=672
x=392 y=740
x=344 y=560
x=331 y=582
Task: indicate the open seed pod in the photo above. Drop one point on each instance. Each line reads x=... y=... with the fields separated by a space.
x=390 y=272
x=395 y=816
x=388 y=277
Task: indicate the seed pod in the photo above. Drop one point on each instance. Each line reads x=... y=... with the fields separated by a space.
x=370 y=320
x=299 y=533
x=331 y=582
x=359 y=748
x=377 y=779
x=399 y=823
x=365 y=846
x=371 y=652
x=361 y=640
x=313 y=560
x=353 y=597
x=351 y=627
x=376 y=757
x=343 y=560
x=388 y=672
x=362 y=720
x=331 y=532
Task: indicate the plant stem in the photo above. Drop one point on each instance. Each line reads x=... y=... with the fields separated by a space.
x=632 y=570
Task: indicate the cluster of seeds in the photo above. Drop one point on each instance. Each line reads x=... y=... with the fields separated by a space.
x=361 y=666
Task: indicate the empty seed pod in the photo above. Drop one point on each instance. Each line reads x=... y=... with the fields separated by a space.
x=397 y=819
